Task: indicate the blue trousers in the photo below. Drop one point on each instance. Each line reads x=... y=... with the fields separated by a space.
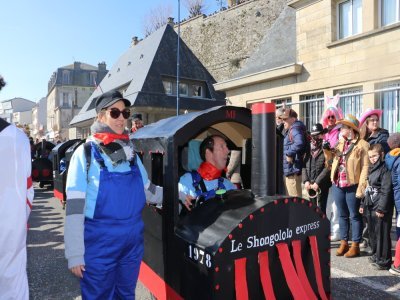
x=112 y=258
x=348 y=206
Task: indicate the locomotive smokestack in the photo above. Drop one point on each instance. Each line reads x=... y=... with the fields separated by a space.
x=263 y=161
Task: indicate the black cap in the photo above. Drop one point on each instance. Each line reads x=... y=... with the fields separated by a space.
x=109 y=98
x=317 y=129
x=137 y=116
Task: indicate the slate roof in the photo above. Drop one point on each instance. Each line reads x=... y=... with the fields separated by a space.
x=140 y=70
x=278 y=47
x=83 y=66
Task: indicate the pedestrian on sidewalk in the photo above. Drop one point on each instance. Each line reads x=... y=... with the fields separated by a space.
x=295 y=149
x=393 y=164
x=103 y=225
x=16 y=196
x=315 y=173
x=349 y=180
x=377 y=207
x=332 y=114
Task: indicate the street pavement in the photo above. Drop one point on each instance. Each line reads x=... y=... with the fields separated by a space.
x=49 y=277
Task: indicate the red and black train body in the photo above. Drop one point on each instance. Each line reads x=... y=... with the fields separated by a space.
x=254 y=243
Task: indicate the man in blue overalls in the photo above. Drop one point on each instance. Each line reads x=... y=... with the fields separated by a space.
x=208 y=178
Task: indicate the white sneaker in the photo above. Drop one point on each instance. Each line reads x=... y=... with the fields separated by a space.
x=335 y=237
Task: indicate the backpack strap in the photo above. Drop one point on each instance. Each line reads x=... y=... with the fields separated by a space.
x=133 y=160
x=221 y=185
x=97 y=155
x=200 y=187
x=3 y=124
x=88 y=155
x=198 y=183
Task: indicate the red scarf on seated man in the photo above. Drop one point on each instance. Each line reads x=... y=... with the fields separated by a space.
x=208 y=171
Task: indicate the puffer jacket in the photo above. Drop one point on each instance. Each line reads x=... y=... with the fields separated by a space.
x=294 y=146
x=379 y=194
x=393 y=165
x=380 y=137
x=357 y=163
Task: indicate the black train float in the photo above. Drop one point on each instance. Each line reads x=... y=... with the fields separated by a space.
x=62 y=154
x=254 y=243
x=42 y=168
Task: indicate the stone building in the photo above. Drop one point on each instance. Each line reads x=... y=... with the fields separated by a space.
x=17 y=110
x=39 y=119
x=224 y=41
x=349 y=48
x=68 y=90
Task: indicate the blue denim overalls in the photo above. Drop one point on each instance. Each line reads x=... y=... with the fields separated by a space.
x=114 y=237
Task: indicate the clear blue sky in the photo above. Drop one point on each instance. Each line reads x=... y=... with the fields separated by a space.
x=37 y=37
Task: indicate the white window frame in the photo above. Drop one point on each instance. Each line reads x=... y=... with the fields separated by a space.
x=282 y=101
x=311 y=111
x=65 y=99
x=390 y=105
x=381 y=11
x=354 y=100
x=351 y=29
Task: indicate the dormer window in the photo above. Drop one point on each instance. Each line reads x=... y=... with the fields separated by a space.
x=66 y=77
x=167 y=87
x=197 y=90
x=92 y=80
x=183 y=89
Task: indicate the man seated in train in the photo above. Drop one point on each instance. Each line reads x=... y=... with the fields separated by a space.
x=207 y=180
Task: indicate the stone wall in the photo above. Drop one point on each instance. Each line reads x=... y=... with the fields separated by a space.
x=225 y=40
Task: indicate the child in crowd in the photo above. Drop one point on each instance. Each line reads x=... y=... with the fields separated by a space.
x=377 y=207
x=393 y=164
x=315 y=175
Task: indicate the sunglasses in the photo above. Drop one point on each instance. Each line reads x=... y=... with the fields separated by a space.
x=115 y=113
x=331 y=117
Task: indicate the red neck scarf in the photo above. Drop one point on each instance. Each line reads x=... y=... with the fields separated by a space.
x=208 y=171
x=108 y=138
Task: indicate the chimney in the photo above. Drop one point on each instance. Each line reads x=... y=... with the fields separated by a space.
x=134 y=41
x=77 y=65
x=101 y=66
x=171 y=22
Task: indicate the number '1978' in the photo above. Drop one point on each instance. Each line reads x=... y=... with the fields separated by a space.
x=200 y=256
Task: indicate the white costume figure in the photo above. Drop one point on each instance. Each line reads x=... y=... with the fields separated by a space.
x=16 y=195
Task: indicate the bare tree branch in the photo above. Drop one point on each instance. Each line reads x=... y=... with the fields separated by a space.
x=2 y=82
x=194 y=7
x=156 y=18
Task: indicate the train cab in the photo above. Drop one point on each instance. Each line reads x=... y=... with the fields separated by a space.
x=252 y=243
x=60 y=166
x=42 y=167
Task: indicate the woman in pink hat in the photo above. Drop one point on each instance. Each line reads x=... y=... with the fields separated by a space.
x=328 y=121
x=370 y=130
x=332 y=114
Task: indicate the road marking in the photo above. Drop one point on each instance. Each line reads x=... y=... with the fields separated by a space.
x=392 y=290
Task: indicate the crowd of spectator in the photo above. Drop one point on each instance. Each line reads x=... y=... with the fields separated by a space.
x=348 y=166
